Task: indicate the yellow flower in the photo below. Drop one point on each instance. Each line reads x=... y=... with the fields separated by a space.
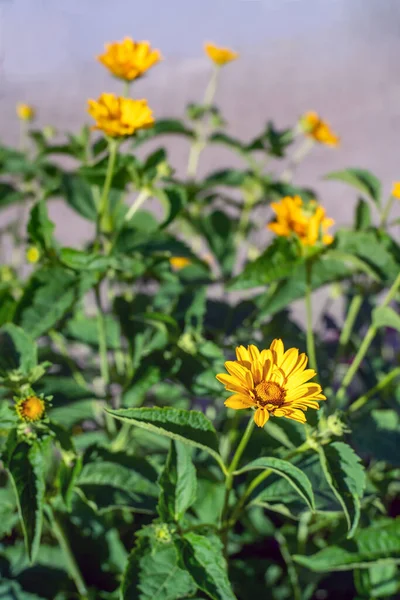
x=117 y=116
x=273 y=382
x=309 y=222
x=179 y=262
x=25 y=112
x=32 y=254
x=314 y=127
x=396 y=190
x=128 y=59
x=220 y=56
x=31 y=408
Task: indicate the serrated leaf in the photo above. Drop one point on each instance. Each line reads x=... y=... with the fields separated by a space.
x=153 y=573
x=178 y=483
x=346 y=477
x=188 y=426
x=296 y=478
x=362 y=180
x=26 y=468
x=204 y=560
x=385 y=316
x=375 y=545
x=18 y=350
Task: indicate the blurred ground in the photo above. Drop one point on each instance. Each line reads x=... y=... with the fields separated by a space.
x=339 y=57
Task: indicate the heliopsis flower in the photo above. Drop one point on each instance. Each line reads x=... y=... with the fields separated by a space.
x=179 y=262
x=32 y=254
x=25 y=112
x=396 y=190
x=307 y=222
x=319 y=130
x=273 y=382
x=31 y=408
x=117 y=116
x=220 y=56
x=128 y=59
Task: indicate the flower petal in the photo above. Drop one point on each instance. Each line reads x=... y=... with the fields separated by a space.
x=261 y=416
x=277 y=350
x=238 y=402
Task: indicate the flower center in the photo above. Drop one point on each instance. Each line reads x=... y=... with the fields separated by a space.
x=268 y=392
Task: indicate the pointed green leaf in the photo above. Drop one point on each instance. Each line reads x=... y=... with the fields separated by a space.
x=40 y=228
x=362 y=180
x=385 y=316
x=297 y=479
x=178 y=483
x=346 y=477
x=18 y=350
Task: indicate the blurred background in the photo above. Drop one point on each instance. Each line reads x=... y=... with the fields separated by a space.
x=338 y=57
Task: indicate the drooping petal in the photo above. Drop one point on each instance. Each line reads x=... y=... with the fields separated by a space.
x=296 y=415
x=261 y=416
x=238 y=402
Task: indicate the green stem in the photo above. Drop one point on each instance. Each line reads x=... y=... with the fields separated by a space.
x=352 y=313
x=386 y=212
x=104 y=200
x=102 y=338
x=126 y=89
x=359 y=403
x=363 y=349
x=298 y=156
x=71 y=563
x=59 y=341
x=291 y=568
x=137 y=203
x=310 y=333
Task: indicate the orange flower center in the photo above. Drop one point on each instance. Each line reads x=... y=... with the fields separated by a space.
x=268 y=392
x=32 y=408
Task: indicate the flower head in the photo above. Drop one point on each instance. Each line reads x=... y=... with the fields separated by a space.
x=25 y=112
x=396 y=190
x=273 y=382
x=128 y=59
x=307 y=222
x=32 y=254
x=117 y=116
x=179 y=262
x=319 y=130
x=220 y=56
x=31 y=408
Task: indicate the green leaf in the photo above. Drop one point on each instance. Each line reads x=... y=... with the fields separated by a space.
x=297 y=479
x=79 y=260
x=175 y=198
x=50 y=293
x=218 y=229
x=153 y=573
x=378 y=544
x=363 y=215
x=9 y=195
x=226 y=177
x=40 y=228
x=85 y=329
x=162 y=127
x=67 y=475
x=379 y=581
x=18 y=350
x=204 y=560
x=362 y=180
x=346 y=477
x=26 y=467
x=278 y=261
x=11 y=590
x=385 y=316
x=188 y=426
x=79 y=196
x=178 y=483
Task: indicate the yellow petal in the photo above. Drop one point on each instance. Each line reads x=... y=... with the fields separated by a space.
x=299 y=378
x=277 y=350
x=296 y=415
x=238 y=402
x=242 y=354
x=261 y=416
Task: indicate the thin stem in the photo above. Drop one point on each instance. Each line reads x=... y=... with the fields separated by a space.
x=297 y=157
x=126 y=89
x=363 y=349
x=310 y=333
x=291 y=568
x=211 y=87
x=71 y=563
x=352 y=314
x=386 y=212
x=137 y=203
x=359 y=403
x=59 y=342
x=104 y=200
x=102 y=338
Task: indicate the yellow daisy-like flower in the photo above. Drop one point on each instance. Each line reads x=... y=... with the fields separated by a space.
x=179 y=262
x=33 y=254
x=273 y=382
x=128 y=59
x=308 y=222
x=25 y=112
x=396 y=190
x=31 y=408
x=117 y=116
x=220 y=56
x=319 y=130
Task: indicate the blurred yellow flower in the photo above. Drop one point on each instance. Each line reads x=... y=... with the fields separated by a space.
x=396 y=189
x=128 y=59
x=117 y=116
x=25 y=112
x=273 y=382
x=319 y=130
x=31 y=408
x=32 y=254
x=179 y=262
x=308 y=222
x=220 y=56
